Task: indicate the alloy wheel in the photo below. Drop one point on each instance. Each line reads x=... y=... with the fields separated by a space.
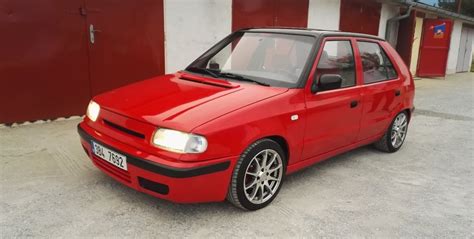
x=399 y=130
x=263 y=176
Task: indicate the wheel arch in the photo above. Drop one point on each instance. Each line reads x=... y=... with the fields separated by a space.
x=283 y=144
x=409 y=113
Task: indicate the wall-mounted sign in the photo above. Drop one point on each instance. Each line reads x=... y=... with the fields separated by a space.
x=439 y=30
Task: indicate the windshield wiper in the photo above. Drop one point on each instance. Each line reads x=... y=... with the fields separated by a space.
x=203 y=70
x=240 y=78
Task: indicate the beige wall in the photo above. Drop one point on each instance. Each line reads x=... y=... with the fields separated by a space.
x=416 y=45
x=388 y=11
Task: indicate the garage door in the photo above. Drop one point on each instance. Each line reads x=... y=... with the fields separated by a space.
x=49 y=66
x=434 y=47
x=269 y=13
x=362 y=16
x=128 y=42
x=465 y=49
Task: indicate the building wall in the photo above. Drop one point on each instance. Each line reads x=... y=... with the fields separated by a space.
x=454 y=47
x=192 y=27
x=415 y=50
x=472 y=56
x=388 y=11
x=324 y=14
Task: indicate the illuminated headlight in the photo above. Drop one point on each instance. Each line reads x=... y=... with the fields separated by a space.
x=179 y=142
x=93 y=110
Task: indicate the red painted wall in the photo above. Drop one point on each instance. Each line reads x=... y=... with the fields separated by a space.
x=362 y=16
x=267 y=13
x=49 y=69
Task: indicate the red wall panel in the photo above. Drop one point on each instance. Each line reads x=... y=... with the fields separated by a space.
x=256 y=13
x=291 y=13
x=362 y=16
x=43 y=63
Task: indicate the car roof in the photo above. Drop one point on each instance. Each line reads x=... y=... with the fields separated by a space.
x=312 y=32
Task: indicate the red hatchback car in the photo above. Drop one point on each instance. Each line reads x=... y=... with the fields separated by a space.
x=257 y=106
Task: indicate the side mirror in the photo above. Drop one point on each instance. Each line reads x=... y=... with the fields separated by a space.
x=214 y=65
x=327 y=82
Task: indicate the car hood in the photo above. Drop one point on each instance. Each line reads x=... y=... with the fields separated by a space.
x=183 y=101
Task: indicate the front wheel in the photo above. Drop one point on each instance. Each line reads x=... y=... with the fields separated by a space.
x=258 y=175
x=395 y=136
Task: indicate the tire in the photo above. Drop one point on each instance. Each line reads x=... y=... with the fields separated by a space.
x=250 y=170
x=399 y=128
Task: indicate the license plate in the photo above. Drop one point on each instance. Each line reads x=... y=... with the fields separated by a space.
x=116 y=159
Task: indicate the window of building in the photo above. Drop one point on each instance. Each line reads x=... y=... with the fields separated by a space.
x=376 y=65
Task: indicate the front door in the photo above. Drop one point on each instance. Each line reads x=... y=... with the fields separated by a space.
x=126 y=42
x=434 y=47
x=333 y=116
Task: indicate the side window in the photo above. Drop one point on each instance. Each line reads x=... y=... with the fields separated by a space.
x=377 y=67
x=337 y=58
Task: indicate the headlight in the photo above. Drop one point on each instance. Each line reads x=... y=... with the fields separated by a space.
x=179 y=142
x=93 y=110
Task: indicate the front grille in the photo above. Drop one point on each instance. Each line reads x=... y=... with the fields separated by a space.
x=125 y=130
x=119 y=173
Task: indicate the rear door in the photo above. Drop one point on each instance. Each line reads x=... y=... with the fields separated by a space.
x=381 y=88
x=333 y=116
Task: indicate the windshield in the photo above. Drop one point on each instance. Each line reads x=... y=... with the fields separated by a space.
x=264 y=58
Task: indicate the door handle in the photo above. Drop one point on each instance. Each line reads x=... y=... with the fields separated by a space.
x=92 y=32
x=354 y=103
x=397 y=93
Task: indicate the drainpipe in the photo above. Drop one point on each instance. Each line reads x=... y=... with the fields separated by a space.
x=436 y=10
x=391 y=34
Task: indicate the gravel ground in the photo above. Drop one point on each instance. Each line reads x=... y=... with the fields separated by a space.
x=49 y=188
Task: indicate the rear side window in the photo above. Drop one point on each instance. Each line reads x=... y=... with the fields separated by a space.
x=377 y=67
x=337 y=58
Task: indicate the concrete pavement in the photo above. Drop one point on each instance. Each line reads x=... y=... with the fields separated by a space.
x=49 y=188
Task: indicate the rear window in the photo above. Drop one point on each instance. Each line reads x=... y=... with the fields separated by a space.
x=376 y=65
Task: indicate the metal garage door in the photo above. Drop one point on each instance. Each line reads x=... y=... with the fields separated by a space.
x=465 y=49
x=434 y=47
x=49 y=68
x=360 y=16
x=44 y=62
x=267 y=13
x=128 y=41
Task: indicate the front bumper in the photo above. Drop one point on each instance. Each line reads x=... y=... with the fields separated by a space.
x=183 y=182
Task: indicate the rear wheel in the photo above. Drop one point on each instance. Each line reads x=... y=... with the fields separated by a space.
x=395 y=135
x=258 y=175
